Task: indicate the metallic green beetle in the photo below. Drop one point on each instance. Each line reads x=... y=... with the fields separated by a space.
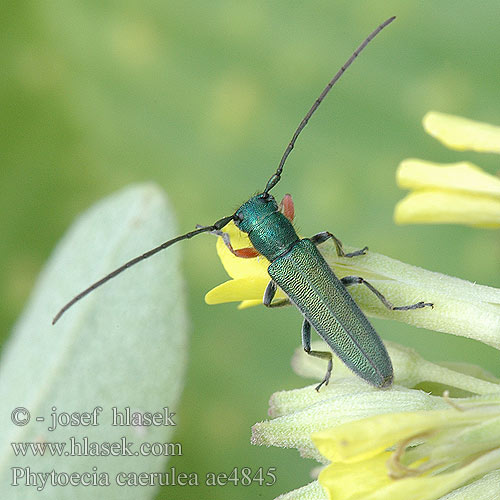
x=300 y=271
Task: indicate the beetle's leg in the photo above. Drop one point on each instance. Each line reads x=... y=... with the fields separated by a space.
x=357 y=280
x=306 y=343
x=287 y=208
x=319 y=238
x=269 y=294
x=244 y=253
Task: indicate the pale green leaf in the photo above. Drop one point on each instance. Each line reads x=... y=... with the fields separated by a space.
x=124 y=345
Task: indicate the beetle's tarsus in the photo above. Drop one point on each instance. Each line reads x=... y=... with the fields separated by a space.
x=358 y=280
x=327 y=375
x=418 y=305
x=357 y=252
x=306 y=343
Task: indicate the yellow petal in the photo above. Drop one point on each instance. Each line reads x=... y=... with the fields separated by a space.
x=237 y=290
x=435 y=487
x=463 y=176
x=448 y=207
x=239 y=239
x=363 y=439
x=461 y=133
x=249 y=303
x=419 y=488
x=347 y=481
x=237 y=267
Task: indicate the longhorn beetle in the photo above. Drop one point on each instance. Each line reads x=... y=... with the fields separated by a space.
x=300 y=271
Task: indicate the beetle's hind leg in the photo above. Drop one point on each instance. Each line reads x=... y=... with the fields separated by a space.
x=306 y=343
x=357 y=280
x=319 y=238
x=269 y=294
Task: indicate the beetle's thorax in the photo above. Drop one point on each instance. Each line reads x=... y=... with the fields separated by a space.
x=270 y=232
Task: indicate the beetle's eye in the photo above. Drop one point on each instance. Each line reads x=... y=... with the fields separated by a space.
x=238 y=217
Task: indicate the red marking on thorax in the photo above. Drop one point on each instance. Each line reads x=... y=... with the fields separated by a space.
x=287 y=208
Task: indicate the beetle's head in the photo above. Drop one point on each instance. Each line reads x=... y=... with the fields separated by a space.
x=254 y=210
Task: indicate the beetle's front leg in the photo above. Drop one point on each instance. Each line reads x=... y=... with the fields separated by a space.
x=269 y=294
x=244 y=253
x=357 y=280
x=306 y=343
x=319 y=238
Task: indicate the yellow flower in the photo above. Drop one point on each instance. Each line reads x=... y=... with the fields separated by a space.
x=413 y=455
x=463 y=134
x=401 y=443
x=250 y=276
x=459 y=193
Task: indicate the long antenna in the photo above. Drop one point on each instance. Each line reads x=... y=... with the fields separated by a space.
x=277 y=175
x=215 y=227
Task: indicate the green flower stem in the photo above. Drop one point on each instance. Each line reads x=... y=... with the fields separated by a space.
x=287 y=402
x=410 y=369
x=432 y=372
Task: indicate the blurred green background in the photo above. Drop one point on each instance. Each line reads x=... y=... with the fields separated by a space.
x=202 y=98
